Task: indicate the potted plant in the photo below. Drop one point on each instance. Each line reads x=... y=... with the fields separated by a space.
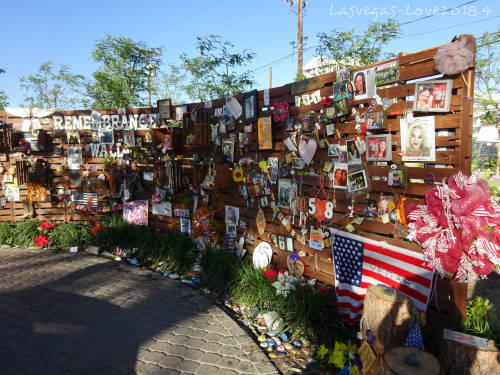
x=471 y=349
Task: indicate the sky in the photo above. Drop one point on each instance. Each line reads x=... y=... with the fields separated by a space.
x=65 y=31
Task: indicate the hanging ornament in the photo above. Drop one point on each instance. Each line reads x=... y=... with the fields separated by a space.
x=296 y=266
x=261 y=221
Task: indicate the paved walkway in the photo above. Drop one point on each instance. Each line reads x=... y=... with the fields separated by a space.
x=75 y=314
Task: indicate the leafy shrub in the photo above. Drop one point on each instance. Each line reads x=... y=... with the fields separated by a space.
x=218 y=268
x=6 y=232
x=479 y=320
x=116 y=232
x=70 y=234
x=183 y=253
x=24 y=233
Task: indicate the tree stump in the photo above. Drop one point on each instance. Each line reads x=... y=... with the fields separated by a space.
x=411 y=361
x=389 y=315
x=462 y=359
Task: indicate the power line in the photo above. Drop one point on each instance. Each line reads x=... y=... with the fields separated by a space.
x=488 y=44
x=449 y=27
x=444 y=11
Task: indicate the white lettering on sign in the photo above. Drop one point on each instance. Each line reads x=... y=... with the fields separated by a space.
x=115 y=122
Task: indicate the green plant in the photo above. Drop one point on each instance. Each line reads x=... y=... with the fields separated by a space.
x=24 y=233
x=6 y=232
x=251 y=288
x=218 y=268
x=480 y=320
x=70 y=234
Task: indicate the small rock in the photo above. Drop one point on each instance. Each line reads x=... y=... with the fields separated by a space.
x=261 y=328
x=297 y=344
x=280 y=348
x=261 y=338
x=295 y=370
x=277 y=340
x=94 y=250
x=272 y=355
x=73 y=249
x=271 y=333
x=5 y=246
x=288 y=346
x=271 y=342
x=174 y=276
x=264 y=344
x=284 y=337
x=269 y=349
x=246 y=322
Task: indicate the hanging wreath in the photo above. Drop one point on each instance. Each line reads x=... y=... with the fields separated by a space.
x=458 y=228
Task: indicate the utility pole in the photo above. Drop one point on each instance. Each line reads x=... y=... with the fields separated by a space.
x=299 y=38
x=150 y=68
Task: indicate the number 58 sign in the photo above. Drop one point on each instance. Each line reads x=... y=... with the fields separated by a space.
x=321 y=209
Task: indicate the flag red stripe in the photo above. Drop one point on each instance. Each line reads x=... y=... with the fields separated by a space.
x=347 y=305
x=348 y=293
x=399 y=271
x=396 y=255
x=410 y=292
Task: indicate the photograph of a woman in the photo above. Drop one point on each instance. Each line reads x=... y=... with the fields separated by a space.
x=379 y=147
x=363 y=82
x=340 y=175
x=432 y=96
x=353 y=155
x=418 y=139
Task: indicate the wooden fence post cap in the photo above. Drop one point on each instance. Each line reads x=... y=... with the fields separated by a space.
x=427 y=363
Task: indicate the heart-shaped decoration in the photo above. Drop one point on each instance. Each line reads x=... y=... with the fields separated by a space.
x=307 y=149
x=386 y=103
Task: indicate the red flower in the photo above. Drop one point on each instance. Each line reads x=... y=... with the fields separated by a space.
x=46 y=225
x=326 y=100
x=271 y=274
x=93 y=230
x=42 y=240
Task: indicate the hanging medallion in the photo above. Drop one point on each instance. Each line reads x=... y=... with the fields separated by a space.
x=261 y=221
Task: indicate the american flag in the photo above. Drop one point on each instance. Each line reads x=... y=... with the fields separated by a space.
x=360 y=262
x=88 y=199
x=414 y=339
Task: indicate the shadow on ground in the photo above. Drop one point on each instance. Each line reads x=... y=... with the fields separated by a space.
x=76 y=314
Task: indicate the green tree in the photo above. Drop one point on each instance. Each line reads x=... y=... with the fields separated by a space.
x=350 y=48
x=216 y=71
x=3 y=97
x=488 y=75
x=122 y=78
x=170 y=84
x=52 y=87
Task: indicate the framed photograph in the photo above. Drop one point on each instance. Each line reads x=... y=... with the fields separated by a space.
x=244 y=139
x=303 y=219
x=340 y=108
x=250 y=107
x=290 y=124
x=274 y=240
x=379 y=147
x=375 y=120
x=147 y=176
x=340 y=175
x=272 y=161
x=232 y=214
x=163 y=209
x=298 y=163
x=105 y=136
x=360 y=143
x=228 y=150
x=333 y=151
x=330 y=112
x=353 y=154
x=387 y=73
x=265 y=133
x=341 y=90
x=281 y=242
x=179 y=112
x=135 y=212
x=364 y=84
x=284 y=193
x=74 y=158
x=418 y=139
x=289 y=244
x=370 y=208
x=342 y=154
x=129 y=138
x=185 y=225
x=395 y=178
x=231 y=229
x=164 y=108
x=274 y=175
x=342 y=75
x=356 y=181
x=432 y=96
